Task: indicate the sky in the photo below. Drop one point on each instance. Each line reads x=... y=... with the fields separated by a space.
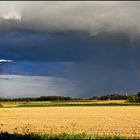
x=77 y=49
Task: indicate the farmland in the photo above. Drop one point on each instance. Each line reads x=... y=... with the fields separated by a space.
x=105 y=120
x=67 y=103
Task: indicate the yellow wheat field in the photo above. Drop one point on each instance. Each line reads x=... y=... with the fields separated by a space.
x=90 y=120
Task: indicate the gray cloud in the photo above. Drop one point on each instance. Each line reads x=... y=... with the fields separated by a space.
x=16 y=85
x=92 y=17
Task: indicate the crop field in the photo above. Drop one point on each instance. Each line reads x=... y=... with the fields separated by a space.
x=68 y=103
x=106 y=120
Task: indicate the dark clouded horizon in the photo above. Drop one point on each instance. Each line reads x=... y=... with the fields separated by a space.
x=90 y=48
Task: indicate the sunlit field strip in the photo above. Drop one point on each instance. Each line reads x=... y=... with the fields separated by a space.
x=67 y=103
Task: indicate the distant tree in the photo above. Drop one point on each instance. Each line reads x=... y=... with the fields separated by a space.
x=138 y=94
x=113 y=97
x=133 y=98
x=94 y=98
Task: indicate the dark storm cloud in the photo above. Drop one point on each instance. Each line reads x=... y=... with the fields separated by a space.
x=66 y=31
x=101 y=64
x=105 y=49
x=92 y=17
x=101 y=39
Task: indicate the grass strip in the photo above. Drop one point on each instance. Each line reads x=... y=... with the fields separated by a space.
x=5 y=136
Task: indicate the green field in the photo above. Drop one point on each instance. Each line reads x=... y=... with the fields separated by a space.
x=67 y=103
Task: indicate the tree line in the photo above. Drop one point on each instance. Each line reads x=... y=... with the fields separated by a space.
x=110 y=97
x=67 y=98
x=134 y=98
x=41 y=98
x=130 y=98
